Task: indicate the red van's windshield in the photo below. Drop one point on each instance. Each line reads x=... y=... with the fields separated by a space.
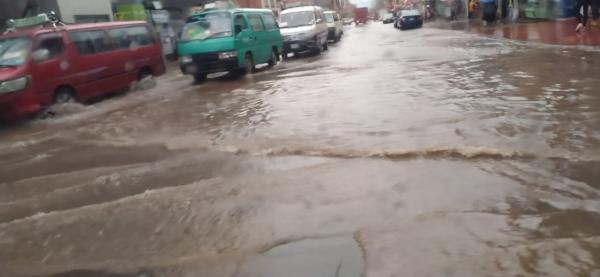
x=13 y=51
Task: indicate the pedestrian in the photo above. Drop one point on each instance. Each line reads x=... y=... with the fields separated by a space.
x=489 y=10
x=472 y=8
x=582 y=19
x=595 y=12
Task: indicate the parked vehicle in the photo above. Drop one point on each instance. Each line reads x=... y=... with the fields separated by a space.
x=303 y=29
x=361 y=15
x=348 y=21
x=409 y=19
x=233 y=40
x=42 y=65
x=388 y=18
x=334 y=25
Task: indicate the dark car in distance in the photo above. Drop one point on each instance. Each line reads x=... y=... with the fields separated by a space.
x=408 y=19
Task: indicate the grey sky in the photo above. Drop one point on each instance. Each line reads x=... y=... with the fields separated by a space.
x=362 y=3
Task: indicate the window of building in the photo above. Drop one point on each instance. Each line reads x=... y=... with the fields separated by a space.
x=256 y=22
x=91 y=18
x=90 y=42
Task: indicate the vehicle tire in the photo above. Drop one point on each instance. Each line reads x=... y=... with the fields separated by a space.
x=65 y=95
x=284 y=56
x=144 y=72
x=249 y=64
x=200 y=78
x=317 y=50
x=273 y=60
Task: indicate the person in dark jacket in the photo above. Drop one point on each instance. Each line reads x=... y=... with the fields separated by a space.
x=582 y=19
x=489 y=10
x=595 y=12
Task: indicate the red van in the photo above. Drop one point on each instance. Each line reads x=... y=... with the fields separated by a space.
x=41 y=66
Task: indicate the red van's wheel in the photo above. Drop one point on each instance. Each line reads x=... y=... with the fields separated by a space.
x=65 y=95
x=144 y=73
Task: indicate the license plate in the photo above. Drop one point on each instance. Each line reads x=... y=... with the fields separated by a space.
x=190 y=69
x=295 y=46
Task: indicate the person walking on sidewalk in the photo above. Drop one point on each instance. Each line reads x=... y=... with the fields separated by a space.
x=489 y=11
x=581 y=20
x=595 y=12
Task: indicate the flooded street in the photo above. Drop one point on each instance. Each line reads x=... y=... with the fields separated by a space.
x=427 y=152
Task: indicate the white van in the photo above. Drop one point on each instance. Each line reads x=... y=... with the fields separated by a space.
x=303 y=29
x=334 y=23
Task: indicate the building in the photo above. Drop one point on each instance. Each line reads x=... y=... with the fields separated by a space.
x=334 y=5
x=72 y=11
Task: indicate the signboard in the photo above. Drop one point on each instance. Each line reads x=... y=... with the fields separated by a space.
x=196 y=10
x=160 y=16
x=30 y=21
x=131 y=12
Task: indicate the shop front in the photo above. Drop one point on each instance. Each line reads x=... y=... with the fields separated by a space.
x=549 y=9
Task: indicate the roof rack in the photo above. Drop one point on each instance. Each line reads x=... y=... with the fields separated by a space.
x=44 y=20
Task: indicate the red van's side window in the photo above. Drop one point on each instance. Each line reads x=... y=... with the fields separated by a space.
x=90 y=42
x=54 y=45
x=131 y=37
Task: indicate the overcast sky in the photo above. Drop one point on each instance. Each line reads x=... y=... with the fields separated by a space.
x=362 y=3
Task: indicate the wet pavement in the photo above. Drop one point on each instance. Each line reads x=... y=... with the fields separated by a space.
x=554 y=32
x=417 y=153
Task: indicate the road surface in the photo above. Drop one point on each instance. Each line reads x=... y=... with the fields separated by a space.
x=418 y=153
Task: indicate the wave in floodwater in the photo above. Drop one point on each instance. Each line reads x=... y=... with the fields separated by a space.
x=464 y=152
x=270 y=148
x=393 y=154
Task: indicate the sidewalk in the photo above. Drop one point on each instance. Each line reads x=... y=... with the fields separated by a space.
x=557 y=32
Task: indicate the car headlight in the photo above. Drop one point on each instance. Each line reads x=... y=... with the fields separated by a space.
x=227 y=55
x=13 y=85
x=186 y=59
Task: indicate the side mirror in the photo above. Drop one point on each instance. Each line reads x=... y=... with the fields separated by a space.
x=40 y=55
x=237 y=29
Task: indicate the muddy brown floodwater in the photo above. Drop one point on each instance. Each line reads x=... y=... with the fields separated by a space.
x=419 y=153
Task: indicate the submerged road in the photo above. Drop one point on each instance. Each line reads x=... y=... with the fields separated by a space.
x=419 y=153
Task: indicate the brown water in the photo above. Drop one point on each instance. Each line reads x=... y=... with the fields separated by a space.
x=418 y=153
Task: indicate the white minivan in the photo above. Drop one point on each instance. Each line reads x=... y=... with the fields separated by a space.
x=334 y=23
x=303 y=29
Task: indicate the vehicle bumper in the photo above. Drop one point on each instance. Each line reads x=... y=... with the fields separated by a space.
x=299 y=46
x=16 y=105
x=331 y=35
x=411 y=24
x=206 y=64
